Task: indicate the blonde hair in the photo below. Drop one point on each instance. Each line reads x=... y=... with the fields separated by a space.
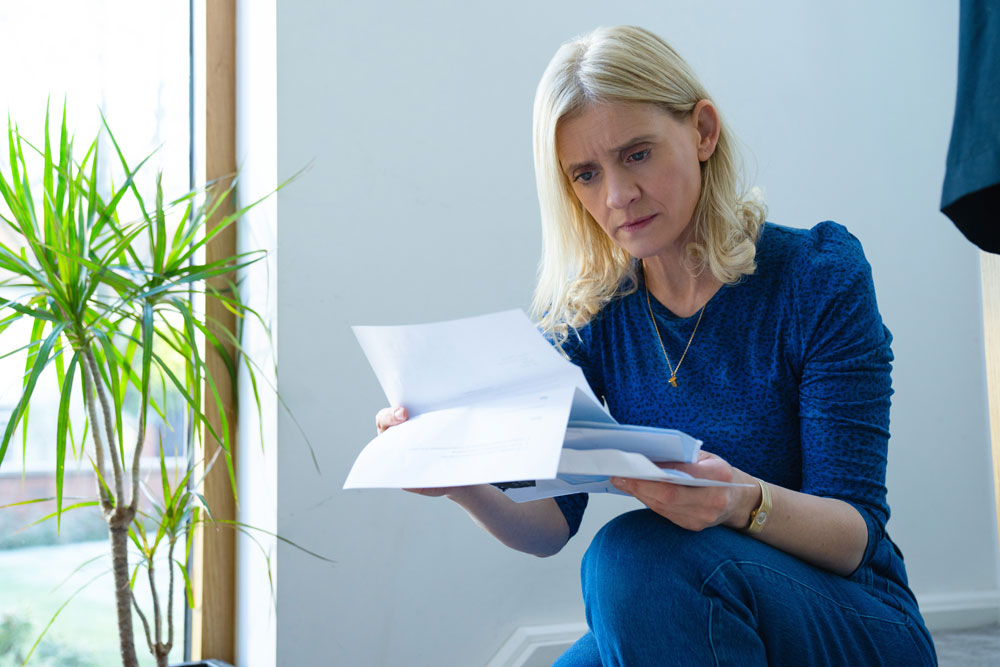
x=581 y=269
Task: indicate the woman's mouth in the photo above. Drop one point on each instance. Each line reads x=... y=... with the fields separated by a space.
x=636 y=223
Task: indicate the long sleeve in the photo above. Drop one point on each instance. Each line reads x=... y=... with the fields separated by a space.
x=845 y=388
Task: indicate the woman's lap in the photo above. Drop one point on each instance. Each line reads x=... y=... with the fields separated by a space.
x=658 y=595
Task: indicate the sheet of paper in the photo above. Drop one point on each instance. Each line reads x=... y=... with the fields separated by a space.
x=587 y=471
x=551 y=488
x=442 y=364
x=517 y=437
x=582 y=465
x=656 y=444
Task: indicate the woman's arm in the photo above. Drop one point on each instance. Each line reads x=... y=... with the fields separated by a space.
x=825 y=532
x=537 y=527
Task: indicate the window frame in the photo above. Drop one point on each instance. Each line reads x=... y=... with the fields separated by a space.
x=990 y=275
x=212 y=620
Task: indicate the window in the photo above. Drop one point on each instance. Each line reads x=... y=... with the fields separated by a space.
x=131 y=62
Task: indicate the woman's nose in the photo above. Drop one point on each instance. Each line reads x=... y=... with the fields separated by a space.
x=622 y=190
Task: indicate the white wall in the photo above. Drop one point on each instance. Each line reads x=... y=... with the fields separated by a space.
x=420 y=206
x=257 y=450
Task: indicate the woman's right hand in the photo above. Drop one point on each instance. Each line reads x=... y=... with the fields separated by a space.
x=386 y=418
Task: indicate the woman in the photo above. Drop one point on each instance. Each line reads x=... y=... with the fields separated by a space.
x=685 y=310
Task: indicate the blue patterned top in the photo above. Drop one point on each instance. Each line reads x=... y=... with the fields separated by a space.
x=787 y=378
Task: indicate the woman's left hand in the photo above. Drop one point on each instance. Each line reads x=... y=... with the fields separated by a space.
x=698 y=507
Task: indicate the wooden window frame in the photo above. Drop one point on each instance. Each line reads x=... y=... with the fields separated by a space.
x=213 y=618
x=990 y=267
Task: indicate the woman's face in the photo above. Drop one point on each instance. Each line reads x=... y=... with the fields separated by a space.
x=636 y=169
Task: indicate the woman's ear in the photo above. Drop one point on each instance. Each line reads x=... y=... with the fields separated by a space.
x=706 y=120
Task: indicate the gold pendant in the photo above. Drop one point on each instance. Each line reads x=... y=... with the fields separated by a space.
x=673 y=381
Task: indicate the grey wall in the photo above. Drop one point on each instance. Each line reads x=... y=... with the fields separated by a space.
x=420 y=206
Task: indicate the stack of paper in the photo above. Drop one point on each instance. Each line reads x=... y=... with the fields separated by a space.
x=491 y=401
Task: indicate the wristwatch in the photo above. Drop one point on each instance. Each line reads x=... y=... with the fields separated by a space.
x=759 y=516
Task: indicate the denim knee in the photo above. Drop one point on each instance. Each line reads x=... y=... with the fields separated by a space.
x=642 y=578
x=632 y=548
x=642 y=540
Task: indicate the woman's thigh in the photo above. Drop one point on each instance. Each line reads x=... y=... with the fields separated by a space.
x=657 y=594
x=583 y=653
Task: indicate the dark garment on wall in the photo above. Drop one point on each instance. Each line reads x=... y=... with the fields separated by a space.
x=971 y=193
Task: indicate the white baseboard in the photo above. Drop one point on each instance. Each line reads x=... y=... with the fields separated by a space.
x=955 y=611
x=540 y=645
x=537 y=645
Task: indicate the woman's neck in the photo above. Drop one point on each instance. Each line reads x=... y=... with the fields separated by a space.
x=678 y=286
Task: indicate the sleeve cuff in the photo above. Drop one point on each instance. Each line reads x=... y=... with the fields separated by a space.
x=572 y=507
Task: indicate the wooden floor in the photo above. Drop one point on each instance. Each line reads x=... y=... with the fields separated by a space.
x=969 y=648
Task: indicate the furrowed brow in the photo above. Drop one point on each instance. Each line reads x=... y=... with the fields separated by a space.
x=577 y=166
x=641 y=139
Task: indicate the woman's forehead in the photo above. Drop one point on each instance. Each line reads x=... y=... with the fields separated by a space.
x=607 y=127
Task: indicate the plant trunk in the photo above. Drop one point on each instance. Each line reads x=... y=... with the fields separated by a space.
x=118 y=529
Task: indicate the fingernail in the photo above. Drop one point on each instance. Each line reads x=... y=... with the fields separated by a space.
x=398 y=414
x=616 y=481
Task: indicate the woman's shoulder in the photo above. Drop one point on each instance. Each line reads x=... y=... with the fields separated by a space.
x=818 y=256
x=823 y=242
x=825 y=281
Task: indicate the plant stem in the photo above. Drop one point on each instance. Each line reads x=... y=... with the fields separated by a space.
x=170 y=595
x=116 y=464
x=145 y=623
x=163 y=650
x=140 y=440
x=157 y=617
x=106 y=503
x=119 y=516
x=160 y=650
x=118 y=530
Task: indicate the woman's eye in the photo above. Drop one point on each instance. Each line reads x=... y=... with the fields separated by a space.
x=583 y=177
x=638 y=156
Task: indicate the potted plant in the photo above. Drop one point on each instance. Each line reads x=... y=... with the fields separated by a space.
x=109 y=301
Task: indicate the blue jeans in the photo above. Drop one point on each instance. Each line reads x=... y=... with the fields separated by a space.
x=660 y=595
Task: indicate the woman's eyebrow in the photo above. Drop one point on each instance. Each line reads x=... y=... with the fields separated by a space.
x=631 y=142
x=614 y=151
x=576 y=166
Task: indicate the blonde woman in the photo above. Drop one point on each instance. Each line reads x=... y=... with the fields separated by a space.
x=685 y=310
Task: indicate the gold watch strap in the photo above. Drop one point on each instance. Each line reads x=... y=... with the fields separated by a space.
x=759 y=516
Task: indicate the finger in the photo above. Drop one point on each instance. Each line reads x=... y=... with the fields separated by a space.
x=387 y=417
x=634 y=487
x=382 y=419
x=431 y=491
x=399 y=415
x=620 y=483
x=707 y=467
x=704 y=459
x=638 y=491
x=656 y=495
x=689 y=468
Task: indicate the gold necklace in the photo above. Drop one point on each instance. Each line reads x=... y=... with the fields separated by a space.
x=673 y=369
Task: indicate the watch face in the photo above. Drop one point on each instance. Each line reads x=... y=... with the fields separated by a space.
x=760 y=518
